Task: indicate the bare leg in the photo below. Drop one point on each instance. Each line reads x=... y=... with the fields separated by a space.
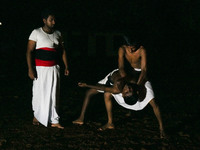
x=108 y=103
x=89 y=93
x=158 y=116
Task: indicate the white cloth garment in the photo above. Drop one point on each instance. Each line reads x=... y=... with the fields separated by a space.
x=139 y=105
x=44 y=39
x=46 y=90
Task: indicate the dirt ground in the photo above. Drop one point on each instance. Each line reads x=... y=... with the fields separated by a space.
x=138 y=132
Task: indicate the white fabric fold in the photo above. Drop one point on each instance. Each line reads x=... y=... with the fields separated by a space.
x=45 y=94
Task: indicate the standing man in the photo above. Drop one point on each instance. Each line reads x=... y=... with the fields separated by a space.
x=48 y=46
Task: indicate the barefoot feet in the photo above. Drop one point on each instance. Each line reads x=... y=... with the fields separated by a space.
x=57 y=125
x=35 y=122
x=78 y=122
x=162 y=134
x=107 y=126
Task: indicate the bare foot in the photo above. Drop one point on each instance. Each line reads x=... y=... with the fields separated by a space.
x=35 y=122
x=57 y=125
x=162 y=134
x=78 y=121
x=107 y=126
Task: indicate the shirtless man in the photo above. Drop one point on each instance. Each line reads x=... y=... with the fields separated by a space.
x=135 y=54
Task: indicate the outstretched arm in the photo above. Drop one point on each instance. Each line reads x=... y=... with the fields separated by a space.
x=101 y=87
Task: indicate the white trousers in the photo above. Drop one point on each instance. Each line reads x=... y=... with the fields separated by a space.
x=46 y=89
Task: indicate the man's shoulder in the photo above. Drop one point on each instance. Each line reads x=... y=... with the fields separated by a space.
x=57 y=32
x=35 y=32
x=122 y=48
x=37 y=29
x=142 y=51
x=142 y=47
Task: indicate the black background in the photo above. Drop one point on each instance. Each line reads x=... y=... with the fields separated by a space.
x=169 y=31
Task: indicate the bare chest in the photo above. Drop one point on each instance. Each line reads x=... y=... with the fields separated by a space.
x=133 y=58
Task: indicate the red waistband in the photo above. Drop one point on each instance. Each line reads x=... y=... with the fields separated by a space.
x=39 y=62
x=47 y=49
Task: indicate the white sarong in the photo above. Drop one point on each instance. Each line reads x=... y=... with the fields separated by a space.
x=139 y=105
x=46 y=89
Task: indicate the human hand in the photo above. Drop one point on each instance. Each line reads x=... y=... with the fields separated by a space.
x=122 y=73
x=82 y=84
x=66 y=72
x=32 y=74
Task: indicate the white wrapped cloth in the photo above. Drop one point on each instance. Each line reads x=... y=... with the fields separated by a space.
x=45 y=93
x=139 y=105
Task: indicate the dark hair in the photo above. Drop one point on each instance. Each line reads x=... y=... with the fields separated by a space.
x=47 y=12
x=131 y=42
x=131 y=100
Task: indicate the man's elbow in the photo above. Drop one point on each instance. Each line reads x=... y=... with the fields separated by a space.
x=144 y=70
x=115 y=91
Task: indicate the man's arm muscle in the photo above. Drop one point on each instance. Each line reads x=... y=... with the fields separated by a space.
x=143 y=66
x=30 y=48
x=101 y=87
x=121 y=61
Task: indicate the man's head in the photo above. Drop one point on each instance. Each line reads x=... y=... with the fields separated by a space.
x=130 y=93
x=48 y=17
x=132 y=45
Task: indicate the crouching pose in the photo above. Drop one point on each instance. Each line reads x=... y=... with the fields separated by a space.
x=126 y=93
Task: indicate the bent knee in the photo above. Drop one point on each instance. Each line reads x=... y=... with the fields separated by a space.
x=91 y=92
x=107 y=95
x=153 y=103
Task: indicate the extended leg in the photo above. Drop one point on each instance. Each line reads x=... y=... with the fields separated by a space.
x=89 y=93
x=158 y=116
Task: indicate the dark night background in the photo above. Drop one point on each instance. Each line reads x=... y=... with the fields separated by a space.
x=169 y=31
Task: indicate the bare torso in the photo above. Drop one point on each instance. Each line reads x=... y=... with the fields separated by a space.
x=133 y=58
